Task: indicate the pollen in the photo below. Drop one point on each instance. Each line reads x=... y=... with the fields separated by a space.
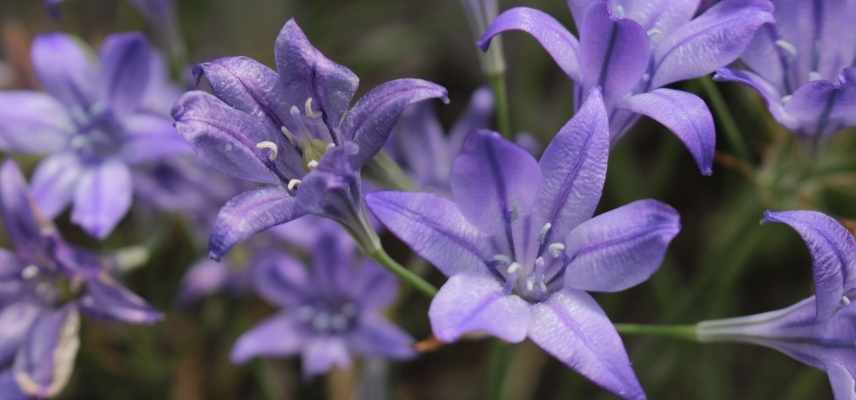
x=514 y=267
x=556 y=249
x=312 y=164
x=271 y=147
x=30 y=272
x=287 y=133
x=309 y=111
x=293 y=184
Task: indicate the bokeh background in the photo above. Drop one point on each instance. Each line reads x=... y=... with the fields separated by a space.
x=724 y=263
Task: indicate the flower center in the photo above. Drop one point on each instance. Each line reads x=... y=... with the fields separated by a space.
x=324 y=318
x=536 y=281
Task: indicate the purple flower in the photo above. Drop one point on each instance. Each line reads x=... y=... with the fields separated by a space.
x=95 y=121
x=293 y=131
x=821 y=330
x=332 y=310
x=802 y=67
x=631 y=49
x=39 y=319
x=521 y=248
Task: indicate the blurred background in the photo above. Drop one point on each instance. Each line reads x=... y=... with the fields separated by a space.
x=724 y=263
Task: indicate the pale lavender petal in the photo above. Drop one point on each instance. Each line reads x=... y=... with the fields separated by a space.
x=44 y=363
x=769 y=92
x=549 y=32
x=278 y=336
x=434 y=228
x=842 y=382
x=151 y=137
x=477 y=116
x=55 y=181
x=709 y=42
x=9 y=389
x=280 y=279
x=306 y=73
x=377 y=337
x=833 y=251
x=107 y=299
x=572 y=327
x=66 y=69
x=332 y=266
x=821 y=107
x=658 y=17
x=614 y=53
x=102 y=198
x=770 y=60
x=32 y=123
x=220 y=136
x=249 y=213
x=493 y=181
x=126 y=67
x=321 y=354
x=22 y=223
x=621 y=248
x=578 y=9
x=203 y=279
x=686 y=115
x=15 y=321
x=374 y=116
x=419 y=144
x=374 y=287
x=478 y=303
x=574 y=167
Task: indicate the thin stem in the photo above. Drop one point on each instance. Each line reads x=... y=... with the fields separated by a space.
x=500 y=359
x=380 y=255
x=684 y=332
x=732 y=132
x=500 y=91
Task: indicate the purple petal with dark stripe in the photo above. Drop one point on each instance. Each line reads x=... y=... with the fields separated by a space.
x=126 y=65
x=102 y=198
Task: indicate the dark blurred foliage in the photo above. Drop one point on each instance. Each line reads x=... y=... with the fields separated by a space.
x=723 y=263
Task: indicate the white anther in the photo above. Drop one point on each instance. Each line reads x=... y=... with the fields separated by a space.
x=30 y=272
x=787 y=46
x=556 y=249
x=530 y=284
x=331 y=145
x=544 y=231
x=618 y=11
x=654 y=33
x=321 y=321
x=502 y=258
x=312 y=164
x=287 y=133
x=539 y=263
x=271 y=147
x=309 y=111
x=786 y=99
x=293 y=184
x=514 y=267
x=845 y=300
x=814 y=76
x=542 y=286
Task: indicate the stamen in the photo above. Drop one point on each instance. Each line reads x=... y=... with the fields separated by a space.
x=618 y=11
x=321 y=321
x=293 y=184
x=654 y=33
x=544 y=231
x=30 y=272
x=502 y=259
x=556 y=249
x=542 y=286
x=331 y=145
x=814 y=76
x=312 y=164
x=539 y=263
x=309 y=112
x=514 y=267
x=787 y=46
x=787 y=98
x=78 y=142
x=530 y=284
x=273 y=150
x=845 y=300
x=288 y=135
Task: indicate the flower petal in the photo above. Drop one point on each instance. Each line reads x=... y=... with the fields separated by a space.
x=477 y=116
x=842 y=382
x=44 y=363
x=620 y=248
x=686 y=115
x=374 y=286
x=377 y=337
x=478 y=303
x=321 y=354
x=15 y=321
x=494 y=181
x=306 y=73
x=102 y=198
x=205 y=278
x=55 y=181
x=434 y=228
x=574 y=166
x=107 y=299
x=151 y=137
x=421 y=148
x=822 y=108
x=374 y=116
x=219 y=135
x=833 y=251
x=126 y=64
x=24 y=226
x=280 y=279
x=32 y=123
x=572 y=327
x=769 y=92
x=614 y=53
x=65 y=68
x=278 y=336
x=559 y=43
x=658 y=17
x=249 y=213
x=9 y=389
x=711 y=41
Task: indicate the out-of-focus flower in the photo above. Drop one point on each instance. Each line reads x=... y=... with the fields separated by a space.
x=480 y=13
x=293 y=131
x=802 y=66
x=821 y=330
x=44 y=286
x=631 y=49
x=521 y=247
x=95 y=121
x=332 y=311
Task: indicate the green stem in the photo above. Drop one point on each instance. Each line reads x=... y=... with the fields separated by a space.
x=380 y=255
x=732 y=132
x=500 y=91
x=500 y=359
x=684 y=332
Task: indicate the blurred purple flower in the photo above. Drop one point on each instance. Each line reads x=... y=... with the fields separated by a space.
x=95 y=121
x=333 y=310
x=44 y=285
x=521 y=247
x=292 y=130
x=802 y=66
x=631 y=49
x=821 y=330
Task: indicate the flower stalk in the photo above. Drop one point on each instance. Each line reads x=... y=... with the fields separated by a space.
x=683 y=332
x=726 y=118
